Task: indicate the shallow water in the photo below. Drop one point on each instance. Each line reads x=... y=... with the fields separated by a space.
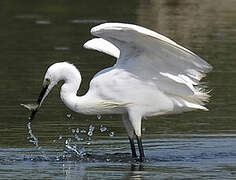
x=194 y=145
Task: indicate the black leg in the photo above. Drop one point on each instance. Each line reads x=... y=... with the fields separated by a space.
x=140 y=147
x=131 y=140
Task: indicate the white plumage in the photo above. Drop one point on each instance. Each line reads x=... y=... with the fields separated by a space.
x=150 y=57
x=152 y=76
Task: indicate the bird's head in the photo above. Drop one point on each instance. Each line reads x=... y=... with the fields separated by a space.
x=56 y=72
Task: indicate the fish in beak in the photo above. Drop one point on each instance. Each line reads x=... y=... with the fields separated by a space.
x=34 y=108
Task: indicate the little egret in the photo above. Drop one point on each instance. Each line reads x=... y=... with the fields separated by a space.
x=152 y=76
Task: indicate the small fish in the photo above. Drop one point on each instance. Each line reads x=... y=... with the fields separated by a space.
x=33 y=108
x=30 y=107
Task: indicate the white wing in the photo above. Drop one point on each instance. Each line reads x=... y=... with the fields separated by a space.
x=102 y=45
x=154 y=58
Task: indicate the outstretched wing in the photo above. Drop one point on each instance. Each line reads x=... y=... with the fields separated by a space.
x=154 y=58
x=102 y=45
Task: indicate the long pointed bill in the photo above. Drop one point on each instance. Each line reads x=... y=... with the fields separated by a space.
x=41 y=97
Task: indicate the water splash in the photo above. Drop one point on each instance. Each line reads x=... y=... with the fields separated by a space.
x=91 y=129
x=103 y=128
x=111 y=134
x=143 y=129
x=32 y=138
x=88 y=143
x=72 y=148
x=83 y=131
x=78 y=138
x=99 y=116
x=60 y=137
x=73 y=131
x=68 y=116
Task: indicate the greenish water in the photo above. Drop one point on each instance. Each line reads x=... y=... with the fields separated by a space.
x=194 y=145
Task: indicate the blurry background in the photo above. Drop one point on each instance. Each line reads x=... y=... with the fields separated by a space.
x=35 y=34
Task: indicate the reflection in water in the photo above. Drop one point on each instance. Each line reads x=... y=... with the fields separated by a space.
x=136 y=172
x=176 y=157
x=94 y=170
x=74 y=171
x=136 y=167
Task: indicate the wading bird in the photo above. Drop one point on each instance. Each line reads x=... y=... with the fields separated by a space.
x=152 y=76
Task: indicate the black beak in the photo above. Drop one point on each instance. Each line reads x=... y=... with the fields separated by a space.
x=40 y=98
x=33 y=114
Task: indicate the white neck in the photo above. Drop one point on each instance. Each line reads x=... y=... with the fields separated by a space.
x=68 y=95
x=72 y=78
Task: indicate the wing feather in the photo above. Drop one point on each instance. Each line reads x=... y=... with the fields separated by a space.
x=153 y=57
x=102 y=45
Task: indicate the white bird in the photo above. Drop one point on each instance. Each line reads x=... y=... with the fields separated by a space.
x=152 y=76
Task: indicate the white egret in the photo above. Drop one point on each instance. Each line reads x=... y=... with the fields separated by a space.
x=152 y=76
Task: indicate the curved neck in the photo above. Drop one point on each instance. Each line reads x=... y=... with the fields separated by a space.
x=72 y=79
x=86 y=104
x=81 y=104
x=68 y=94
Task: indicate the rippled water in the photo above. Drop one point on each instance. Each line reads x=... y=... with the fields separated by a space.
x=61 y=144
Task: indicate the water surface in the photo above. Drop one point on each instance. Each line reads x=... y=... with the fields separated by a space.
x=194 y=145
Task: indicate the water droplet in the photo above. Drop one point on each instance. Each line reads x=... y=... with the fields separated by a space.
x=68 y=116
x=99 y=116
x=73 y=130
x=83 y=131
x=77 y=130
x=111 y=134
x=32 y=138
x=88 y=143
x=54 y=141
x=35 y=141
x=78 y=138
x=90 y=133
x=103 y=128
x=60 y=137
x=73 y=148
x=91 y=129
x=68 y=141
x=143 y=129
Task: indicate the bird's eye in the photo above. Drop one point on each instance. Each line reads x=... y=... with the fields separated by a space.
x=47 y=81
